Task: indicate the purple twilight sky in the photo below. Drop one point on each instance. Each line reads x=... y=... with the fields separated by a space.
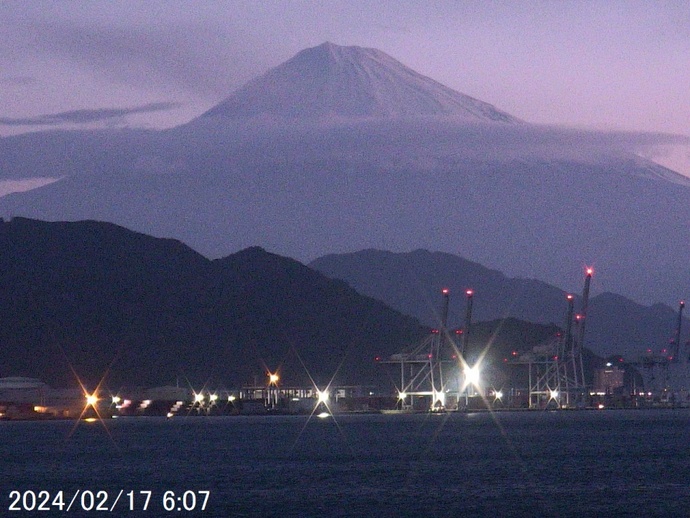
x=612 y=64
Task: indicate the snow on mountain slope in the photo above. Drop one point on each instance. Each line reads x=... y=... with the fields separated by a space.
x=651 y=170
x=335 y=81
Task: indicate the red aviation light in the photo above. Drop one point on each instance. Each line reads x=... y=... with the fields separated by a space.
x=445 y=291
x=682 y=303
x=458 y=331
x=469 y=293
x=589 y=271
x=569 y=296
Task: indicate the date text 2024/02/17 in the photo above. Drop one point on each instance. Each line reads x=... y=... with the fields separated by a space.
x=102 y=500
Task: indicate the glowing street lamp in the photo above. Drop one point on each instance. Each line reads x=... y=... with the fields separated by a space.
x=273 y=380
x=323 y=396
x=91 y=400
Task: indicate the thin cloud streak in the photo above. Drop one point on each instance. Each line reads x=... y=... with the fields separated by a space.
x=17 y=80
x=466 y=140
x=87 y=116
x=197 y=57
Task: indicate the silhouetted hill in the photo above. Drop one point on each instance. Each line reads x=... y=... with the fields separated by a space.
x=618 y=325
x=95 y=300
x=92 y=299
x=411 y=283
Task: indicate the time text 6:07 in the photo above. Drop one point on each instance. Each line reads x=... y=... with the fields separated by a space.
x=101 y=500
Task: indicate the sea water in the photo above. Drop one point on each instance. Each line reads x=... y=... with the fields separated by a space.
x=567 y=463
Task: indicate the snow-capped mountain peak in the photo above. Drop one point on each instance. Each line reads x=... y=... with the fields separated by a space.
x=350 y=82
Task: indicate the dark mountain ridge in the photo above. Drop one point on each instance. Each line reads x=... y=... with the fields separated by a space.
x=411 y=283
x=99 y=299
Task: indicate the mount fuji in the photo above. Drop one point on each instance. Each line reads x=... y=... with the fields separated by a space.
x=344 y=148
x=350 y=82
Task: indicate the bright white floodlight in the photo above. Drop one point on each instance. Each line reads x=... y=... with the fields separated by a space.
x=472 y=376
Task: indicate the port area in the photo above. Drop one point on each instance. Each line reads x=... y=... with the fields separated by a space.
x=30 y=399
x=29 y=403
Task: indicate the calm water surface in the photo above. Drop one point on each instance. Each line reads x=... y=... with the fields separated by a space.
x=580 y=463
